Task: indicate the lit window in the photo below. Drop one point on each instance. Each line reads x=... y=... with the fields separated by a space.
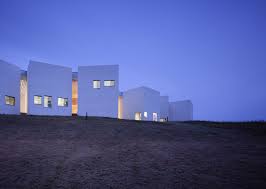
x=96 y=84
x=154 y=117
x=10 y=100
x=145 y=114
x=47 y=101
x=62 y=102
x=138 y=116
x=162 y=120
x=109 y=83
x=37 y=100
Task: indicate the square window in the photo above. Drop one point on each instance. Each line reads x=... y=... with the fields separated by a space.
x=109 y=83
x=96 y=84
x=10 y=100
x=37 y=100
x=47 y=102
x=63 y=102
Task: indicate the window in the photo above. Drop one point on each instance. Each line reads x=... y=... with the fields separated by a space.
x=154 y=117
x=63 y=102
x=47 y=102
x=109 y=83
x=145 y=114
x=162 y=120
x=10 y=100
x=38 y=100
x=137 y=116
x=96 y=84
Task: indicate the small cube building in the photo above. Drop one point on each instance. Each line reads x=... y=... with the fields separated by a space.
x=141 y=103
x=49 y=89
x=9 y=88
x=98 y=90
x=181 y=111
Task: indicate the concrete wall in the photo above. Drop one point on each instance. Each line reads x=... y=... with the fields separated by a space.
x=102 y=101
x=10 y=86
x=50 y=80
x=142 y=99
x=181 y=111
x=164 y=107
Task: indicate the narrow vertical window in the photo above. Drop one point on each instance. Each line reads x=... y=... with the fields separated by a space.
x=63 y=102
x=47 y=102
x=10 y=100
x=145 y=114
x=154 y=116
x=96 y=84
x=109 y=83
x=37 y=100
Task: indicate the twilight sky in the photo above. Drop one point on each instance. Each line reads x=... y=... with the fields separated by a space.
x=210 y=51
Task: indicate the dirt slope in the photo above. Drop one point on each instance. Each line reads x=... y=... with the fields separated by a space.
x=71 y=152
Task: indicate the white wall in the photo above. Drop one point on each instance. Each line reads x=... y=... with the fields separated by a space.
x=164 y=107
x=10 y=86
x=142 y=99
x=98 y=102
x=49 y=80
x=181 y=111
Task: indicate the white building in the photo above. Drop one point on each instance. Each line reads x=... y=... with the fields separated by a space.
x=164 y=108
x=46 y=89
x=49 y=89
x=98 y=90
x=9 y=88
x=141 y=103
x=181 y=110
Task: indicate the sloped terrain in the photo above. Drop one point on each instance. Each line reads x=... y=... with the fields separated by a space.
x=72 y=152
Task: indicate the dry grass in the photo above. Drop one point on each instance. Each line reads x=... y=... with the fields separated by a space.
x=71 y=152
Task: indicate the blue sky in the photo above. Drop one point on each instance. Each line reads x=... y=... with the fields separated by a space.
x=212 y=52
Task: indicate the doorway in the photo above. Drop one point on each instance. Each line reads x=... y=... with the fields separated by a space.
x=138 y=116
x=154 y=117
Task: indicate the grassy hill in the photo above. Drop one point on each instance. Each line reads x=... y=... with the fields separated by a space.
x=72 y=152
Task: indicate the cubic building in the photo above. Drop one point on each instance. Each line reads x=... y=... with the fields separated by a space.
x=46 y=89
x=98 y=90
x=181 y=110
x=49 y=89
x=141 y=103
x=9 y=88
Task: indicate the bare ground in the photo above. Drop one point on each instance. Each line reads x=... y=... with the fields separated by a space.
x=71 y=152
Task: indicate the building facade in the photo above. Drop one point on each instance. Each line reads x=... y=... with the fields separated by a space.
x=46 y=89
x=49 y=89
x=141 y=103
x=9 y=88
x=98 y=90
x=181 y=110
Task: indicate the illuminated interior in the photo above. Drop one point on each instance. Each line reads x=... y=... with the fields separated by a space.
x=37 y=100
x=146 y=114
x=154 y=117
x=62 y=102
x=109 y=83
x=74 y=96
x=138 y=116
x=120 y=107
x=10 y=100
x=23 y=96
x=96 y=84
x=47 y=102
